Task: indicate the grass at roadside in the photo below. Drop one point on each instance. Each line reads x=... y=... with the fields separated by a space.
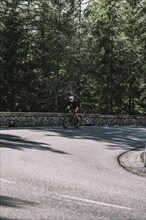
x=142 y=157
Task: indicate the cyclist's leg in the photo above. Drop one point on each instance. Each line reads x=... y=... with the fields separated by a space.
x=76 y=111
x=77 y=121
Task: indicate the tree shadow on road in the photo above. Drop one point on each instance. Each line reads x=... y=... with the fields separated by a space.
x=3 y=218
x=12 y=202
x=117 y=137
x=18 y=143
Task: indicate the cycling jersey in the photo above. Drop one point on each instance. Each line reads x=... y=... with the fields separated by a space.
x=73 y=105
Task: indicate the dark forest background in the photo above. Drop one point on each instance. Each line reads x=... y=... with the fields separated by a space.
x=95 y=50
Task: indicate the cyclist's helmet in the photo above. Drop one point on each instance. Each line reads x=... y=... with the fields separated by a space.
x=71 y=98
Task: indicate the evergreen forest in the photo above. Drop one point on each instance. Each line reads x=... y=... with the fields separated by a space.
x=93 y=49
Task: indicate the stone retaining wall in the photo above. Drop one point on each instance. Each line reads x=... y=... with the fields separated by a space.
x=39 y=119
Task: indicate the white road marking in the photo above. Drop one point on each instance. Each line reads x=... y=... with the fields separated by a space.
x=6 y=181
x=98 y=203
x=113 y=132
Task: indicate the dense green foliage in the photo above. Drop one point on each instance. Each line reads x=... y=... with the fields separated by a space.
x=50 y=49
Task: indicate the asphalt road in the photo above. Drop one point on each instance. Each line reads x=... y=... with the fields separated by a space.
x=70 y=174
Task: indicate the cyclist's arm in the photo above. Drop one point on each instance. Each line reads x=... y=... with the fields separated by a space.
x=76 y=109
x=68 y=109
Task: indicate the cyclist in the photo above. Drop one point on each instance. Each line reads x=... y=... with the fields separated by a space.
x=73 y=105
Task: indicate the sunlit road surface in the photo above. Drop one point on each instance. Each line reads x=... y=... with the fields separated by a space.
x=70 y=174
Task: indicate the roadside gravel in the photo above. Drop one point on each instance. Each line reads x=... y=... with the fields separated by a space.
x=131 y=161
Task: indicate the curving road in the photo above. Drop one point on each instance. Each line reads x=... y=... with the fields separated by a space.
x=73 y=174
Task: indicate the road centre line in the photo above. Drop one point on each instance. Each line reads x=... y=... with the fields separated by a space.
x=6 y=181
x=95 y=202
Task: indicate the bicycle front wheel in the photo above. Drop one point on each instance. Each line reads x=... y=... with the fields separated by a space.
x=66 y=121
x=77 y=121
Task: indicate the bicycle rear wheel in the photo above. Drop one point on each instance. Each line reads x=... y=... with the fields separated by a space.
x=77 y=121
x=66 y=121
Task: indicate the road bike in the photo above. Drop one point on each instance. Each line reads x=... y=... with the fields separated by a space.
x=72 y=120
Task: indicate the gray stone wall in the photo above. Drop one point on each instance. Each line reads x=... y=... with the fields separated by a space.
x=39 y=119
